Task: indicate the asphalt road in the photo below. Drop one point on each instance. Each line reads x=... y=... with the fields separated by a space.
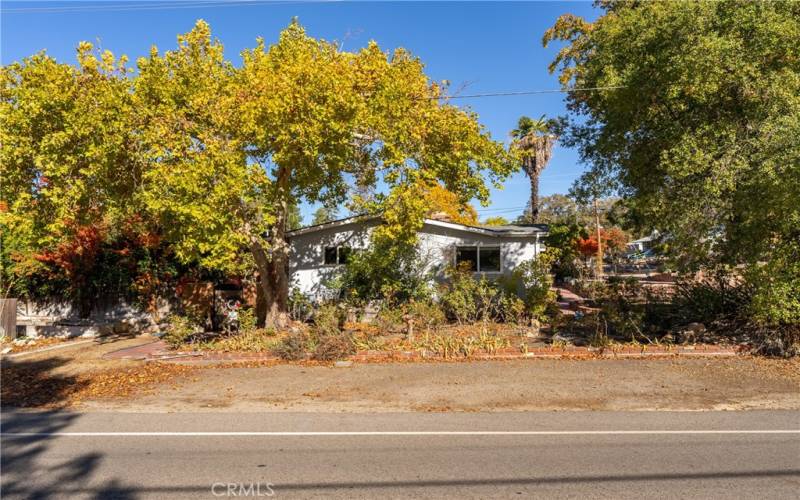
x=752 y=454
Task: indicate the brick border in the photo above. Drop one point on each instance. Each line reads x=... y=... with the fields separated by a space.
x=508 y=353
x=559 y=352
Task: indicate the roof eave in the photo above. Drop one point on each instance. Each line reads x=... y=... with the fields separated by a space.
x=487 y=231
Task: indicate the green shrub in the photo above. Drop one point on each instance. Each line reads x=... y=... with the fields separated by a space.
x=621 y=309
x=390 y=318
x=426 y=313
x=760 y=302
x=776 y=288
x=599 y=339
x=247 y=320
x=329 y=319
x=536 y=284
x=511 y=309
x=460 y=296
x=562 y=244
x=466 y=299
x=180 y=330
x=719 y=295
x=300 y=307
x=387 y=271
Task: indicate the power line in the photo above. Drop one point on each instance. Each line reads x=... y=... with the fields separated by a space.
x=490 y=211
x=499 y=208
x=542 y=178
x=528 y=92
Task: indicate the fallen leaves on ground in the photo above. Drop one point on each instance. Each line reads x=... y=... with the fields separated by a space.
x=775 y=368
x=34 y=344
x=27 y=385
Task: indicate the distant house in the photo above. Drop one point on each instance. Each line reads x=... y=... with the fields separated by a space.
x=643 y=249
x=643 y=244
x=317 y=251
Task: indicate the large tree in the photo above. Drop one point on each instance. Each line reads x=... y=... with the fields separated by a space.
x=566 y=209
x=215 y=158
x=234 y=149
x=324 y=214
x=535 y=141
x=697 y=128
x=68 y=165
x=443 y=202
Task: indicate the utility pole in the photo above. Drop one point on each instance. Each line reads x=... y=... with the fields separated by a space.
x=599 y=264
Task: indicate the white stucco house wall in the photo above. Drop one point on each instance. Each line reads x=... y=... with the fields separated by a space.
x=318 y=252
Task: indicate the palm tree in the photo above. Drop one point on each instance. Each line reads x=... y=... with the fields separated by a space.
x=535 y=140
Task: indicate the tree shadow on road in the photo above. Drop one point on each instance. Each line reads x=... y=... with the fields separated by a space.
x=27 y=471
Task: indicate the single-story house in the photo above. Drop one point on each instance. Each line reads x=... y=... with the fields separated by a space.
x=316 y=252
x=642 y=244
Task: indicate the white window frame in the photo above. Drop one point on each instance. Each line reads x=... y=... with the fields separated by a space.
x=498 y=247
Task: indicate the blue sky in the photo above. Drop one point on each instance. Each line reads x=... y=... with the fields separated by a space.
x=489 y=46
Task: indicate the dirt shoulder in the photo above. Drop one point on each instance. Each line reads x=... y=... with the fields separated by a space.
x=526 y=385
x=79 y=377
x=74 y=372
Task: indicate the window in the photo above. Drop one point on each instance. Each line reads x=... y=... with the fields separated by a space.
x=337 y=255
x=344 y=254
x=479 y=258
x=489 y=259
x=467 y=257
x=330 y=256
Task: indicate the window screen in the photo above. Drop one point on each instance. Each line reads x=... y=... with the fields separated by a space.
x=490 y=259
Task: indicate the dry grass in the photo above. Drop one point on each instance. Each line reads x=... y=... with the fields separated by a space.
x=259 y=340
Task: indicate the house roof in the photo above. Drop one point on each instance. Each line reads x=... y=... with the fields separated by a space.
x=646 y=239
x=505 y=230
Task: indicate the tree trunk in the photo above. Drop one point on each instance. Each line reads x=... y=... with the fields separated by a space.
x=273 y=266
x=533 y=175
x=262 y=264
x=274 y=281
x=278 y=298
